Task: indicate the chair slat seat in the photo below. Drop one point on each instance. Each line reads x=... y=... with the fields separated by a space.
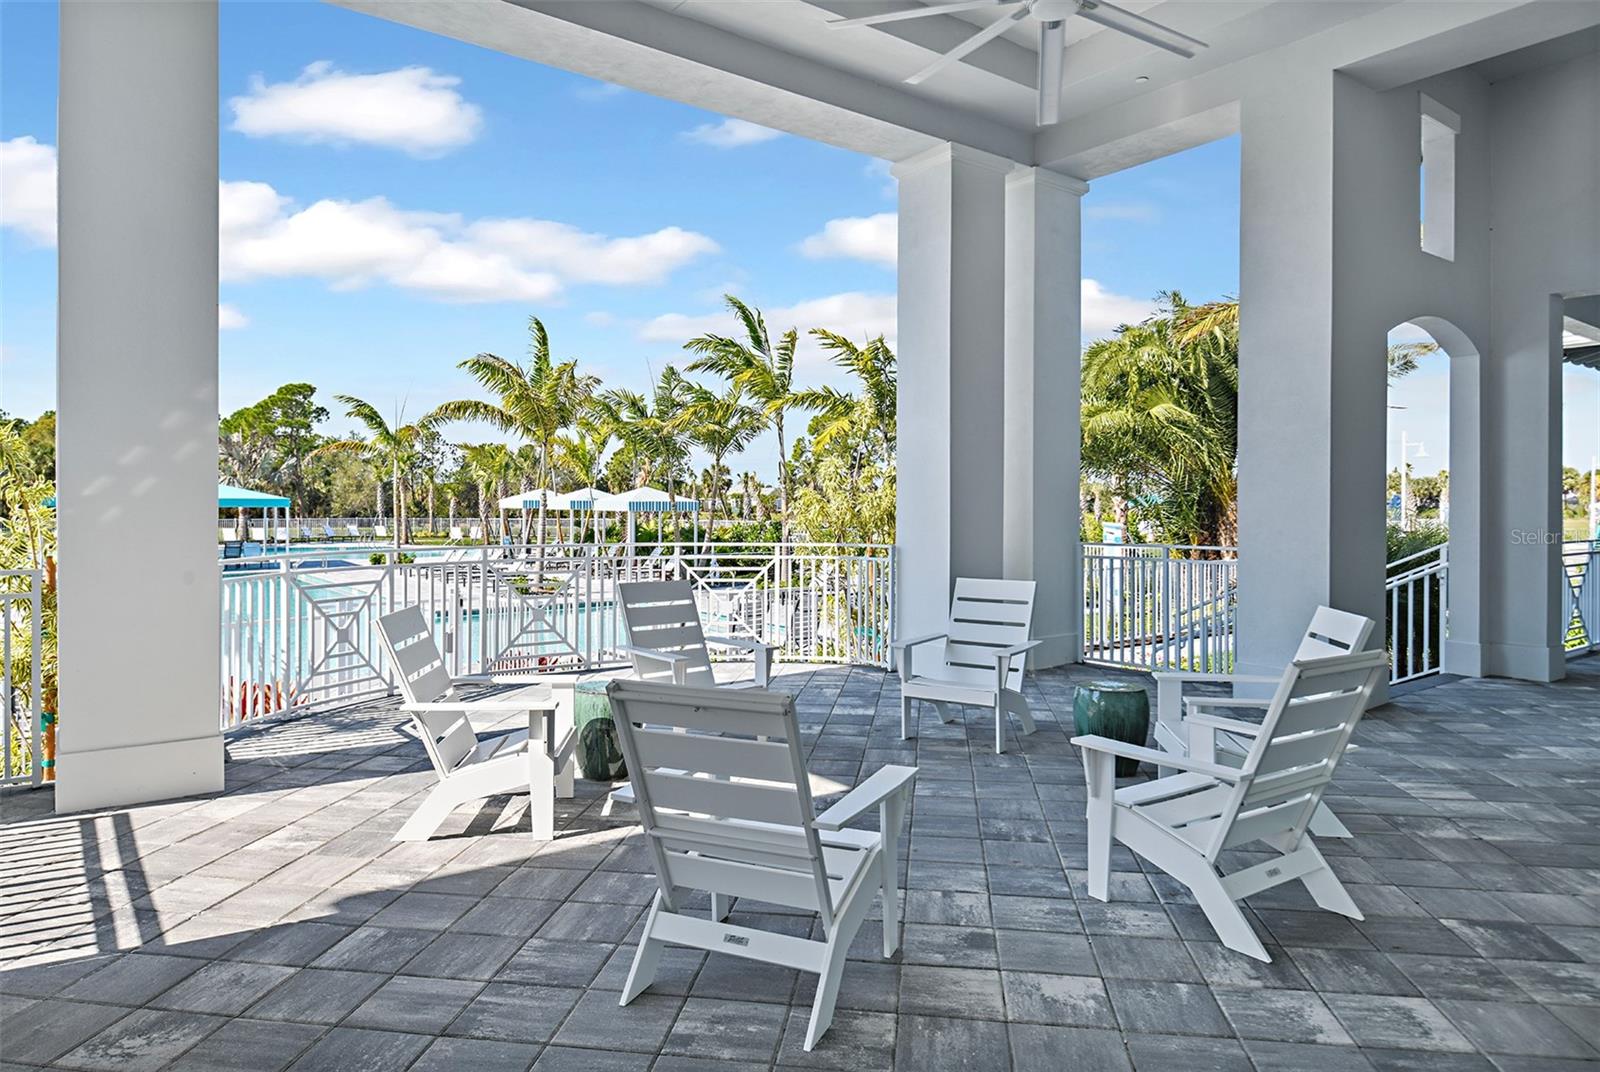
x=985 y=644
x=469 y=767
x=1182 y=823
x=721 y=814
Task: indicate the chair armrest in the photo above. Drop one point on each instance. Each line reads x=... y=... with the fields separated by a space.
x=490 y=706
x=742 y=643
x=884 y=783
x=1094 y=743
x=1003 y=657
x=668 y=658
x=902 y=645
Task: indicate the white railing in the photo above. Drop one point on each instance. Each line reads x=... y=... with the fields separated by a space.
x=1159 y=606
x=1580 y=595
x=1417 y=604
x=21 y=692
x=300 y=630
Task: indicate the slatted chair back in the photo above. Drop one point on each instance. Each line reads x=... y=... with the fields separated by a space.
x=662 y=616
x=986 y=616
x=1333 y=632
x=1303 y=737
x=353 y=531
x=723 y=794
x=380 y=531
x=420 y=670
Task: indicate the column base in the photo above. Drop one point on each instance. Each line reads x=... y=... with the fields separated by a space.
x=1059 y=649
x=1526 y=662
x=137 y=774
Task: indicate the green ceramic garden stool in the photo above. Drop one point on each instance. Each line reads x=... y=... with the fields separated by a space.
x=1116 y=709
x=599 y=754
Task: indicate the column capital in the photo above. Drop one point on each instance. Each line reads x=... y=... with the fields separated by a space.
x=1022 y=175
x=948 y=153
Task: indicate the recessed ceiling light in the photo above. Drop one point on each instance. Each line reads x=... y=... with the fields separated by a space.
x=1142 y=79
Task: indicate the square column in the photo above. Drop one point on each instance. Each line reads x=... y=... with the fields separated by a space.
x=951 y=412
x=1042 y=399
x=140 y=639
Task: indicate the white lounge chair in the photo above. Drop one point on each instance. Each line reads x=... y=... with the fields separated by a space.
x=727 y=810
x=475 y=533
x=258 y=533
x=539 y=758
x=1330 y=632
x=327 y=532
x=986 y=649
x=667 y=643
x=224 y=535
x=1183 y=823
x=305 y=533
x=281 y=534
x=457 y=533
x=353 y=531
x=380 y=532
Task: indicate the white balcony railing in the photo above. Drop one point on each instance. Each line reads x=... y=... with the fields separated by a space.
x=21 y=641
x=1580 y=595
x=1159 y=606
x=1416 y=603
x=300 y=629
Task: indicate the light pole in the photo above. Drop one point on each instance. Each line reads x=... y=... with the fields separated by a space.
x=1408 y=510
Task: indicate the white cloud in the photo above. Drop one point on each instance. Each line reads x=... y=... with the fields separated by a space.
x=854 y=314
x=862 y=238
x=1103 y=311
x=352 y=244
x=599 y=318
x=731 y=134
x=28 y=189
x=411 y=109
x=229 y=317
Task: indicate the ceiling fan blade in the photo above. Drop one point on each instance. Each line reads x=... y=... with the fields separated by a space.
x=1140 y=28
x=971 y=44
x=1052 y=60
x=920 y=12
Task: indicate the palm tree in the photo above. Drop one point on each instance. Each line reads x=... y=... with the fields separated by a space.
x=391 y=449
x=874 y=366
x=582 y=456
x=654 y=427
x=490 y=466
x=1160 y=417
x=720 y=425
x=536 y=402
x=763 y=369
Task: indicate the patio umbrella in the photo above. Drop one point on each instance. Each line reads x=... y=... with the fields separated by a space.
x=644 y=500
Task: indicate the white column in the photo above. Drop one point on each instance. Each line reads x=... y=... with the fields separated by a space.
x=1312 y=385
x=951 y=401
x=1042 y=396
x=137 y=392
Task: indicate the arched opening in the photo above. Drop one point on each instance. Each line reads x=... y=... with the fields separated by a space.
x=1431 y=493
x=1580 y=474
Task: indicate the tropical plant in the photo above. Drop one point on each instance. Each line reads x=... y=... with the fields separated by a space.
x=28 y=542
x=873 y=365
x=765 y=371
x=391 y=448
x=720 y=424
x=492 y=466
x=537 y=401
x=1160 y=417
x=652 y=427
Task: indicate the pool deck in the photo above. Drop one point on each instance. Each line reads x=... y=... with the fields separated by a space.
x=277 y=926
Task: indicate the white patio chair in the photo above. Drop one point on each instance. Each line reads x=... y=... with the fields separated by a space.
x=282 y=534
x=327 y=532
x=1183 y=823
x=305 y=533
x=475 y=533
x=457 y=533
x=380 y=532
x=1330 y=632
x=726 y=809
x=667 y=643
x=258 y=533
x=539 y=758
x=986 y=649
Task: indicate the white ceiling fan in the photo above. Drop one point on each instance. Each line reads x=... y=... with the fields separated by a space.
x=1051 y=15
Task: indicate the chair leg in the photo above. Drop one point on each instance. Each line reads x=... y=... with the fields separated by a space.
x=721 y=905
x=1325 y=887
x=999 y=727
x=908 y=719
x=426 y=819
x=564 y=777
x=1224 y=914
x=541 y=794
x=1099 y=771
x=944 y=711
x=643 y=972
x=827 y=992
x=1326 y=824
x=891 y=813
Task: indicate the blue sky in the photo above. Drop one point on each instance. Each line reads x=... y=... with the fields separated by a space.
x=394 y=202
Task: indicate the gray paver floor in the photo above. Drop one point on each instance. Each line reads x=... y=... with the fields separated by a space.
x=278 y=926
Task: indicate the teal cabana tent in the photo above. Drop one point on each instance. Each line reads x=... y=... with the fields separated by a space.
x=232 y=498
